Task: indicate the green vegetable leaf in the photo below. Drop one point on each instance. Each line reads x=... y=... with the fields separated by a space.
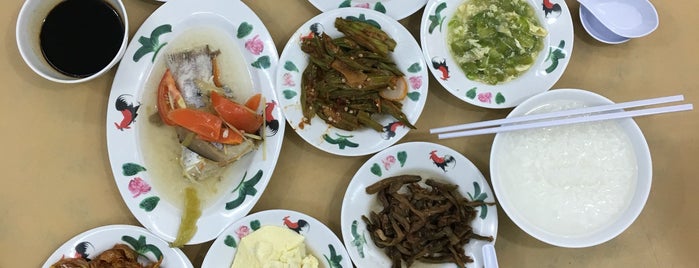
x=402 y=157
x=499 y=98
x=471 y=93
x=262 y=63
x=380 y=7
x=415 y=68
x=376 y=169
x=414 y=96
x=289 y=94
x=230 y=241
x=149 y=203
x=254 y=225
x=131 y=169
x=346 y=3
x=290 y=66
x=244 y=30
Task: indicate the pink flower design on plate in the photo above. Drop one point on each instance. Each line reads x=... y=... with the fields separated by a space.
x=288 y=81
x=485 y=97
x=362 y=5
x=242 y=231
x=415 y=82
x=388 y=162
x=255 y=45
x=138 y=186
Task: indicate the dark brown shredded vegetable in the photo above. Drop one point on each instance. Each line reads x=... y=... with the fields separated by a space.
x=428 y=224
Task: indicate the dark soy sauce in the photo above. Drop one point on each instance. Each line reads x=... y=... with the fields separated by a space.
x=80 y=37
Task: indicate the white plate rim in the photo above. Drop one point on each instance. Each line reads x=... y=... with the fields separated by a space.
x=546 y=71
x=397 y=9
x=318 y=238
x=365 y=141
x=125 y=157
x=111 y=234
x=399 y=160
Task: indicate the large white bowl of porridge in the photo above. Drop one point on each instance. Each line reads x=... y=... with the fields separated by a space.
x=576 y=185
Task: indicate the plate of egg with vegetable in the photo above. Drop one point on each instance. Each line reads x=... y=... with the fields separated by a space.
x=352 y=81
x=277 y=238
x=193 y=126
x=418 y=204
x=496 y=54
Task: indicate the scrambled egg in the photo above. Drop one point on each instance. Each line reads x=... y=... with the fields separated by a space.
x=273 y=247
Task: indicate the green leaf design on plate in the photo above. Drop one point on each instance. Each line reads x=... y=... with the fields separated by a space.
x=342 y=141
x=358 y=240
x=334 y=259
x=437 y=19
x=152 y=43
x=346 y=3
x=479 y=196
x=414 y=96
x=471 y=93
x=244 y=189
x=376 y=169
x=131 y=169
x=415 y=68
x=555 y=55
x=142 y=247
x=149 y=203
x=402 y=157
x=244 y=30
x=262 y=63
x=255 y=224
x=230 y=241
x=289 y=94
x=499 y=98
x=290 y=66
x=380 y=7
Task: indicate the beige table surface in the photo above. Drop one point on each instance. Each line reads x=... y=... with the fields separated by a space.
x=56 y=180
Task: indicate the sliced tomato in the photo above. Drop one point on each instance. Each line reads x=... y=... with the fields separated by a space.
x=254 y=102
x=229 y=136
x=207 y=126
x=235 y=114
x=169 y=97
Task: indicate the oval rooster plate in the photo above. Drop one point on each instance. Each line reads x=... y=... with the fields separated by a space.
x=91 y=243
x=138 y=177
x=363 y=141
x=320 y=241
x=549 y=66
x=427 y=160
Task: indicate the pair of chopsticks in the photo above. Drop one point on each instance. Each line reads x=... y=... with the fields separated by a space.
x=573 y=116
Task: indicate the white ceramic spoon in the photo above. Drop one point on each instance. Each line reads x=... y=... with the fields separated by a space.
x=597 y=30
x=627 y=18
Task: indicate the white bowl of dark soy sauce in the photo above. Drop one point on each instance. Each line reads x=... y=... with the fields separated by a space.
x=72 y=41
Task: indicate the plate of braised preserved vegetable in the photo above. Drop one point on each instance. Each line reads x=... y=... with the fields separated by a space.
x=277 y=238
x=352 y=81
x=193 y=129
x=117 y=246
x=398 y=9
x=496 y=54
x=418 y=204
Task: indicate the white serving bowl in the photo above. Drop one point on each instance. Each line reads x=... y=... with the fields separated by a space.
x=545 y=214
x=28 y=28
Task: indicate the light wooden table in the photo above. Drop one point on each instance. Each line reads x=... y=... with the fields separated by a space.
x=56 y=180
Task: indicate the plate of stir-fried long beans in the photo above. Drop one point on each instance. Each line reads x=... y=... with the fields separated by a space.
x=352 y=81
